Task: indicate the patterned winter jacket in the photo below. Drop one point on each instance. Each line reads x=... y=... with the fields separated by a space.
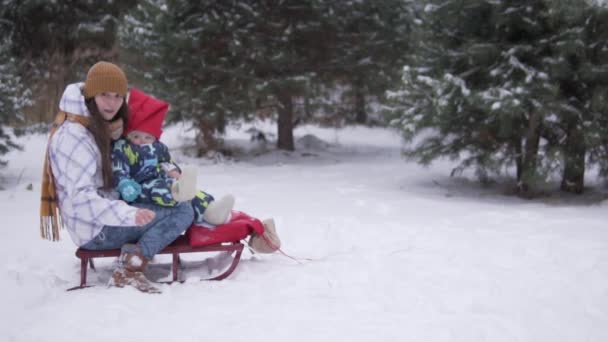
x=147 y=165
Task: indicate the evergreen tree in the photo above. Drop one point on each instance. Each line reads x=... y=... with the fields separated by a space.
x=140 y=36
x=55 y=42
x=13 y=95
x=579 y=65
x=189 y=52
x=371 y=42
x=596 y=73
x=223 y=60
x=497 y=91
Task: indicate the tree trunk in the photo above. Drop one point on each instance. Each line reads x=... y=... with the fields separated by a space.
x=516 y=144
x=285 y=122
x=205 y=138
x=573 y=179
x=46 y=93
x=360 y=113
x=528 y=173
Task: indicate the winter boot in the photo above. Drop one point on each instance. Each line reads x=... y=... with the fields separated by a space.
x=268 y=242
x=130 y=270
x=218 y=212
x=184 y=189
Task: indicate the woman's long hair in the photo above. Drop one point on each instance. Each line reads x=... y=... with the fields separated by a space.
x=99 y=128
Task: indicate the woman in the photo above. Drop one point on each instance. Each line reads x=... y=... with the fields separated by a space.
x=78 y=181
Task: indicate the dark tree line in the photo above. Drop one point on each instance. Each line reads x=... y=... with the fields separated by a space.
x=43 y=46
x=218 y=61
x=493 y=84
x=214 y=61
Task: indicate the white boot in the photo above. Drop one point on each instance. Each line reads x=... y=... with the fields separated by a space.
x=184 y=189
x=268 y=242
x=218 y=211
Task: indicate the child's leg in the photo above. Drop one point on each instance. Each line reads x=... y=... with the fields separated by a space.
x=211 y=211
x=200 y=202
x=218 y=212
x=184 y=189
x=158 y=192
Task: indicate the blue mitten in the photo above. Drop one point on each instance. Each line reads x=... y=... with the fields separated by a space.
x=129 y=190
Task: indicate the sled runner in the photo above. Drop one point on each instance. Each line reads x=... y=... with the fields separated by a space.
x=223 y=238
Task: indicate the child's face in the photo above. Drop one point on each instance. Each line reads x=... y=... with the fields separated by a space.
x=140 y=138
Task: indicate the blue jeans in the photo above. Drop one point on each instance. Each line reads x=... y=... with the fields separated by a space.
x=168 y=224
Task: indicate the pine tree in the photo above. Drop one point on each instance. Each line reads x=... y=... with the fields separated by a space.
x=500 y=90
x=579 y=65
x=13 y=95
x=190 y=54
x=370 y=45
x=596 y=29
x=223 y=60
x=55 y=42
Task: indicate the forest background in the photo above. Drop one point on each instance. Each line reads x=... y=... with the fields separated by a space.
x=505 y=88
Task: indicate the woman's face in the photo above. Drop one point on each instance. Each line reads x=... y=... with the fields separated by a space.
x=108 y=104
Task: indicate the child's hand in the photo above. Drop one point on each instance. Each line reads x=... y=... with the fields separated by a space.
x=174 y=174
x=144 y=216
x=129 y=190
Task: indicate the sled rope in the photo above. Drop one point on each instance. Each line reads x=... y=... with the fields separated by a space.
x=273 y=245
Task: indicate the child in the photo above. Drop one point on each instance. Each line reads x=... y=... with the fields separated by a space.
x=144 y=172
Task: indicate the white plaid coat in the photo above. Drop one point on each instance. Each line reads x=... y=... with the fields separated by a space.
x=76 y=165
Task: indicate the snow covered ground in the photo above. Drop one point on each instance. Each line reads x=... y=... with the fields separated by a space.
x=398 y=253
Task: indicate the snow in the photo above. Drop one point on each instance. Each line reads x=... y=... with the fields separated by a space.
x=599 y=3
x=389 y=251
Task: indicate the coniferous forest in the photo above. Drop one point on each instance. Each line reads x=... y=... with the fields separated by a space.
x=500 y=86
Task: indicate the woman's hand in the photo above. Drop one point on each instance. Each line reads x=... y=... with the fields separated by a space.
x=144 y=216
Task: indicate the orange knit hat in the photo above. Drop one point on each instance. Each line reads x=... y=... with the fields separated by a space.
x=105 y=77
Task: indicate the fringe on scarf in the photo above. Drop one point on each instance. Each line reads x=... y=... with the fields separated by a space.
x=49 y=227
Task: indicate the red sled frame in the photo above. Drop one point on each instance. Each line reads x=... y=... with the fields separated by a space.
x=180 y=245
x=225 y=237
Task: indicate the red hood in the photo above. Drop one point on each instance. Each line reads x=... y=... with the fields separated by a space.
x=146 y=113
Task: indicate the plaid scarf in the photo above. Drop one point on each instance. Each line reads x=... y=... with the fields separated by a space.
x=50 y=217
